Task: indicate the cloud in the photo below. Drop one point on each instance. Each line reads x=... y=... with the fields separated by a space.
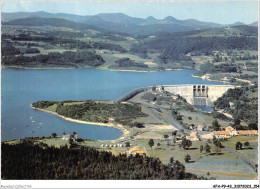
x=26 y=5
x=14 y=6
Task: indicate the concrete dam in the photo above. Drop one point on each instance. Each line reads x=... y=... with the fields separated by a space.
x=195 y=94
x=198 y=94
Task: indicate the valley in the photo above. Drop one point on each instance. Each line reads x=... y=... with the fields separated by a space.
x=111 y=96
x=45 y=41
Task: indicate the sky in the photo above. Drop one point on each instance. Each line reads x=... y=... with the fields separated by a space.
x=223 y=12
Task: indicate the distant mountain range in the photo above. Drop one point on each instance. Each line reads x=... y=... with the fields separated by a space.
x=116 y=22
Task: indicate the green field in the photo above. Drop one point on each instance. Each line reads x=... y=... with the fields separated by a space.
x=246 y=151
x=179 y=153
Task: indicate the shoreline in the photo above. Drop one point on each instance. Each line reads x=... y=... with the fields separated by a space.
x=39 y=68
x=73 y=68
x=204 y=77
x=125 y=132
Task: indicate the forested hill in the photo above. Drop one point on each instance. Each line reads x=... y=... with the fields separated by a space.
x=242 y=103
x=174 y=47
x=119 y=22
x=42 y=163
x=55 y=22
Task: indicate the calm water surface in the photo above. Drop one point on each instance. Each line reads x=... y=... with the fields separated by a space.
x=20 y=88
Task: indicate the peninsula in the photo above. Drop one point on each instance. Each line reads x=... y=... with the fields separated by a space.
x=157 y=122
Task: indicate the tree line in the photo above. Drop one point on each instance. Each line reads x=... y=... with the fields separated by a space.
x=127 y=62
x=87 y=58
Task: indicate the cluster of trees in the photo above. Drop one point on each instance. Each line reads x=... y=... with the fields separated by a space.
x=217 y=144
x=112 y=36
x=65 y=39
x=239 y=145
x=162 y=97
x=31 y=51
x=185 y=143
x=218 y=115
x=206 y=148
x=209 y=68
x=225 y=68
x=43 y=104
x=248 y=77
x=28 y=37
x=244 y=103
x=70 y=43
x=68 y=58
x=109 y=46
x=137 y=124
x=172 y=55
x=140 y=50
x=127 y=62
x=7 y=49
x=63 y=34
x=99 y=112
x=83 y=163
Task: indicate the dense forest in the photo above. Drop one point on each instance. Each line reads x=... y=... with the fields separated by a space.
x=26 y=161
x=242 y=103
x=68 y=58
x=7 y=49
x=209 y=68
x=96 y=112
x=127 y=63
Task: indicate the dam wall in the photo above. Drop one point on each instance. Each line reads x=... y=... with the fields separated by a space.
x=195 y=94
x=198 y=94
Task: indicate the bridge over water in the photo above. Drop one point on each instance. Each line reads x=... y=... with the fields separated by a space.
x=195 y=94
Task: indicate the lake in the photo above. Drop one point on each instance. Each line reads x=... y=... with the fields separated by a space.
x=22 y=87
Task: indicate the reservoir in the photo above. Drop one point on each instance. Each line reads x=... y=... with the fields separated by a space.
x=20 y=88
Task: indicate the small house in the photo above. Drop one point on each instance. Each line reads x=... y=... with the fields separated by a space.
x=193 y=136
x=231 y=130
x=221 y=134
x=66 y=137
x=135 y=150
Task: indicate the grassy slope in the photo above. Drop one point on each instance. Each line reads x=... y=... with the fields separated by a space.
x=250 y=153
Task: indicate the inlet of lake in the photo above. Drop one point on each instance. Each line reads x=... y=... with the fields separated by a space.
x=21 y=87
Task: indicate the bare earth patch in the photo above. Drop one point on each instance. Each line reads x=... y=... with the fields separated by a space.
x=147 y=135
x=150 y=64
x=159 y=127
